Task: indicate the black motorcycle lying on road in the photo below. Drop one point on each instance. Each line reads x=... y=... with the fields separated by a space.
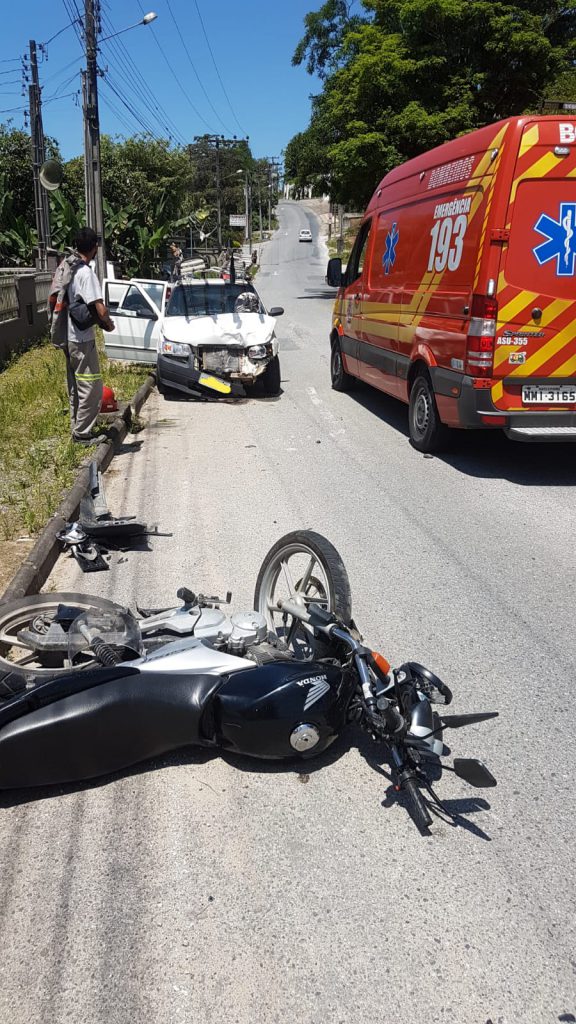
x=92 y=689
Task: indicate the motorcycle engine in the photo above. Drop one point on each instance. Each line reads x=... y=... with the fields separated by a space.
x=237 y=634
x=248 y=628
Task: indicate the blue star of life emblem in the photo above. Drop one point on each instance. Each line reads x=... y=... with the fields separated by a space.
x=561 y=240
x=389 y=255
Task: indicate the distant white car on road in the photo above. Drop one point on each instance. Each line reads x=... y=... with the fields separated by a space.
x=305 y=235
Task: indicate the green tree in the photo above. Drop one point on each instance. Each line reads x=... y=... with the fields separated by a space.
x=17 y=217
x=409 y=74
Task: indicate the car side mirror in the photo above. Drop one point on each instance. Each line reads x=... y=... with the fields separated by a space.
x=276 y=311
x=334 y=272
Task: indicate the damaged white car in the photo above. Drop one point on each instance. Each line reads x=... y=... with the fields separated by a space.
x=206 y=335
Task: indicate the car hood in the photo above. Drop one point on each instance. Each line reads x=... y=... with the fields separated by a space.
x=234 y=330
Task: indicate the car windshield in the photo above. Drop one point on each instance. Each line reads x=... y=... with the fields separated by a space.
x=205 y=299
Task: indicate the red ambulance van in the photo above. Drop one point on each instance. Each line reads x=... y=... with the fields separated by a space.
x=459 y=297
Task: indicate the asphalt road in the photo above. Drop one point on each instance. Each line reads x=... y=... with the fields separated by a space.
x=203 y=889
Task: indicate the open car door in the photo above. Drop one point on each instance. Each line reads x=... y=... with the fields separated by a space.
x=136 y=307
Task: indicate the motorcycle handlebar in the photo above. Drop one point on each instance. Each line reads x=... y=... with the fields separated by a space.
x=295 y=610
x=317 y=617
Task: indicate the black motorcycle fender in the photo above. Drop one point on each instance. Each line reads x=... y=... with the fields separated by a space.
x=103 y=729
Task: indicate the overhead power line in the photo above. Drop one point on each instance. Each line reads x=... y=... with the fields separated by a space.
x=216 y=68
x=128 y=70
x=175 y=76
x=192 y=65
x=75 y=19
x=117 y=113
x=140 y=120
x=42 y=46
x=66 y=67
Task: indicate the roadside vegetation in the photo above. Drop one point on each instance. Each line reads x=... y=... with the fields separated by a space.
x=153 y=192
x=402 y=76
x=38 y=459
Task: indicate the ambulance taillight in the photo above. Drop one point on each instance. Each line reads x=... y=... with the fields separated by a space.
x=481 y=336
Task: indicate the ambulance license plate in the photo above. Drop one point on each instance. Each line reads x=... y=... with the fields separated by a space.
x=555 y=394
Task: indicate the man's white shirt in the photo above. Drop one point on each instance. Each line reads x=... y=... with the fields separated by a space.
x=85 y=285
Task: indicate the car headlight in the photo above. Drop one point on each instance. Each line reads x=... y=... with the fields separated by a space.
x=174 y=348
x=257 y=352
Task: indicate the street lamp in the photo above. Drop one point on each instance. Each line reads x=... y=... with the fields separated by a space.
x=92 y=169
x=151 y=16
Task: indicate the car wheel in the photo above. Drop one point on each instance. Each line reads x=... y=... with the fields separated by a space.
x=427 y=432
x=269 y=382
x=341 y=381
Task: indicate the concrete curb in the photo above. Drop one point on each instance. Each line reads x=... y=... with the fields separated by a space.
x=36 y=568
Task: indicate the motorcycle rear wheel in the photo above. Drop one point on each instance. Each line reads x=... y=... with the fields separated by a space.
x=305 y=567
x=20 y=665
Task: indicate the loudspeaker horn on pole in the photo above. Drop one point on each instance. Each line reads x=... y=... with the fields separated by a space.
x=51 y=174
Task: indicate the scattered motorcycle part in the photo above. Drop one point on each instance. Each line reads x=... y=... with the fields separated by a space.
x=72 y=534
x=113 y=529
x=95 y=518
x=86 y=552
x=305 y=568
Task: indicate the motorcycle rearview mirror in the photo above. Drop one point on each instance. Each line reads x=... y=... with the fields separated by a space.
x=474 y=772
x=459 y=721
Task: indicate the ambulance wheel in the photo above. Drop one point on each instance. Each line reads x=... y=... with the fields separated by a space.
x=427 y=432
x=341 y=381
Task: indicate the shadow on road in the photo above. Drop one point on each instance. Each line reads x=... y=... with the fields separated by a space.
x=252 y=396
x=483 y=454
x=375 y=755
x=318 y=293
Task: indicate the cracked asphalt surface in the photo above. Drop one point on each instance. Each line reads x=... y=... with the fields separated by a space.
x=222 y=890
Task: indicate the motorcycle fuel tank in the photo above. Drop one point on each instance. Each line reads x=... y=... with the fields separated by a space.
x=260 y=712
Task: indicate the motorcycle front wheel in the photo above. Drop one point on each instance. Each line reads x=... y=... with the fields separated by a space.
x=24 y=660
x=302 y=567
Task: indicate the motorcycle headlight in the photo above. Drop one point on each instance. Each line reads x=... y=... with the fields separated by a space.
x=174 y=348
x=257 y=352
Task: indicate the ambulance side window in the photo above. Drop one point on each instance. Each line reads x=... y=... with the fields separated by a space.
x=358 y=254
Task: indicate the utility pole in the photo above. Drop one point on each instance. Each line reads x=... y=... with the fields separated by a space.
x=273 y=168
x=246 y=209
x=217 y=141
x=41 y=204
x=93 y=176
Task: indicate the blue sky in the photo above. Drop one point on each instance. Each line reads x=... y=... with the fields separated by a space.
x=260 y=94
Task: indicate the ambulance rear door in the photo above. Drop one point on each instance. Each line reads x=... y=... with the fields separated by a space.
x=535 y=350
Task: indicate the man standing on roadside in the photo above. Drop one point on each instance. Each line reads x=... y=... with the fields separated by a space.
x=177 y=256
x=85 y=309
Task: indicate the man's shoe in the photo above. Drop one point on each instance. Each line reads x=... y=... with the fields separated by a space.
x=91 y=439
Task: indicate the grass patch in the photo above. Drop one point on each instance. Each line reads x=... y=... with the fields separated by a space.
x=38 y=459
x=349 y=239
